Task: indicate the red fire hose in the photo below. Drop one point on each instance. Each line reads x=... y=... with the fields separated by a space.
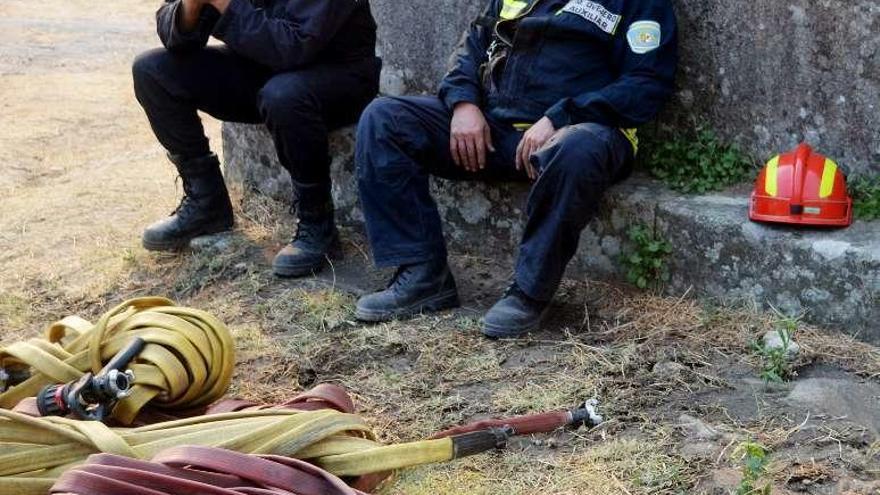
x=212 y=471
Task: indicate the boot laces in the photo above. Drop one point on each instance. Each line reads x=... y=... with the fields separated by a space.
x=311 y=231
x=401 y=277
x=307 y=232
x=185 y=201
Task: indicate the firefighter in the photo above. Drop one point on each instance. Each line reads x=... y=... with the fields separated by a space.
x=302 y=67
x=548 y=91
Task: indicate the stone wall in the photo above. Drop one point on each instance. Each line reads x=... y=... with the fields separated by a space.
x=769 y=73
x=765 y=74
x=417 y=39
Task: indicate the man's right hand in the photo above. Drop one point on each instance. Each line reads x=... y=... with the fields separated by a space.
x=190 y=10
x=470 y=137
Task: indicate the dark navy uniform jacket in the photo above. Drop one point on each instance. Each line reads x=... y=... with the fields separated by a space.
x=280 y=34
x=610 y=62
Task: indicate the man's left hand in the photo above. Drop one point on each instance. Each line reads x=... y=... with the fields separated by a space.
x=532 y=141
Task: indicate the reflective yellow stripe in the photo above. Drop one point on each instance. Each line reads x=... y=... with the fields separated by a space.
x=512 y=8
x=523 y=126
x=633 y=136
x=829 y=176
x=771 y=181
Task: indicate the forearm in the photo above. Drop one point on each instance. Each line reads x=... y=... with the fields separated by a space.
x=284 y=41
x=463 y=83
x=629 y=102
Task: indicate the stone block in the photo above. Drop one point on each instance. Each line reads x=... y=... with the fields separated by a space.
x=833 y=276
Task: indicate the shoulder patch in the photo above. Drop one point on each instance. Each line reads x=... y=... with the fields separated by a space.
x=644 y=36
x=594 y=12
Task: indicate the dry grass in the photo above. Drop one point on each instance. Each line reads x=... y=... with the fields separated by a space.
x=625 y=466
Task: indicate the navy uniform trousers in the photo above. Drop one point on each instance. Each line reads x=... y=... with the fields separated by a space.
x=299 y=107
x=402 y=141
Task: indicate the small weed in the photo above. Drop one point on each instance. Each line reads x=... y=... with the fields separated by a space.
x=866 y=197
x=645 y=262
x=129 y=257
x=754 y=458
x=468 y=323
x=325 y=309
x=776 y=367
x=700 y=163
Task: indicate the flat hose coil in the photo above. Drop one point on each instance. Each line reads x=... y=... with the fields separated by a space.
x=201 y=470
x=186 y=364
x=35 y=452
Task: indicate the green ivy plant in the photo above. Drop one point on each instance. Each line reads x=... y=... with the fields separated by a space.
x=646 y=259
x=699 y=163
x=755 y=459
x=866 y=197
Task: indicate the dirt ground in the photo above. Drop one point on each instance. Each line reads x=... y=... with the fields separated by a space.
x=677 y=380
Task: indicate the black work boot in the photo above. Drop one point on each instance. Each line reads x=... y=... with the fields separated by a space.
x=205 y=207
x=423 y=287
x=316 y=241
x=514 y=315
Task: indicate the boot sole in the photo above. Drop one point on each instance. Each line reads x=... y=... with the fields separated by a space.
x=432 y=304
x=181 y=243
x=505 y=332
x=297 y=271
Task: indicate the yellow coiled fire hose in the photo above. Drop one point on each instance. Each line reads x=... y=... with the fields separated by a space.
x=187 y=362
x=36 y=451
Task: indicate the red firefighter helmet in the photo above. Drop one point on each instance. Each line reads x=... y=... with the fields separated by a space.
x=802 y=187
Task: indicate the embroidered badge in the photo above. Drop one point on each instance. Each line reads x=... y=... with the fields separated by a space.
x=594 y=12
x=643 y=36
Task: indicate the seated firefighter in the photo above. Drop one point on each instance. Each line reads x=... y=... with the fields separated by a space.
x=302 y=67
x=544 y=90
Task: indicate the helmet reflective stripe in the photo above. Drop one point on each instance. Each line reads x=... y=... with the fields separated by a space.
x=771 y=182
x=512 y=8
x=829 y=177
